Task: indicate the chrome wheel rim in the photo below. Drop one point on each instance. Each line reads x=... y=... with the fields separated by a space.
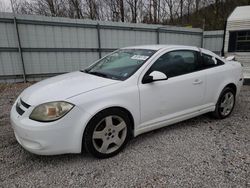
x=227 y=104
x=109 y=134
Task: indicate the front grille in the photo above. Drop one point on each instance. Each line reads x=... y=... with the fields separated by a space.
x=19 y=110
x=24 y=104
x=21 y=106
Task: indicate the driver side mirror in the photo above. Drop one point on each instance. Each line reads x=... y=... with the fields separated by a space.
x=154 y=76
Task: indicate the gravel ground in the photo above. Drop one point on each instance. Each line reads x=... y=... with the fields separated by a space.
x=201 y=152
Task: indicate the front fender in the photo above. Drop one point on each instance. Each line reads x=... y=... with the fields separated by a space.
x=126 y=97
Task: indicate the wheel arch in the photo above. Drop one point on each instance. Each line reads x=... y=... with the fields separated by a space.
x=124 y=110
x=232 y=86
x=222 y=87
x=216 y=113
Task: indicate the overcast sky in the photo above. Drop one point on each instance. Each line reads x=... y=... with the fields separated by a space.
x=5 y=4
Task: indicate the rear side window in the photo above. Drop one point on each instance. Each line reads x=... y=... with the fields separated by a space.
x=219 y=62
x=210 y=61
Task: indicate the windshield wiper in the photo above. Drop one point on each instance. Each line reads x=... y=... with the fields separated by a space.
x=98 y=74
x=86 y=71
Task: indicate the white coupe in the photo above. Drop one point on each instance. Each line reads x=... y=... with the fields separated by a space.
x=126 y=93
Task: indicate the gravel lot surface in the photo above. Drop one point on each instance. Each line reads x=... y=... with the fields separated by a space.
x=201 y=152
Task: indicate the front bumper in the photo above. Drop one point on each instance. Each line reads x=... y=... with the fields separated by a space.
x=50 y=138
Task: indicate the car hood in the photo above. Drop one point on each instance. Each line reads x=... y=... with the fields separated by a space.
x=62 y=87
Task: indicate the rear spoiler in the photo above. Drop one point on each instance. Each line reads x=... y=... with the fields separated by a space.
x=230 y=58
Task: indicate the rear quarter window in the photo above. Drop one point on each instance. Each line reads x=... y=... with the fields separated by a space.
x=210 y=61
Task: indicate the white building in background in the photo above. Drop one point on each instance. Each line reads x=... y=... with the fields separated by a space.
x=237 y=37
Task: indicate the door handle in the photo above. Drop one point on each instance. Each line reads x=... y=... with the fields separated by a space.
x=197 y=81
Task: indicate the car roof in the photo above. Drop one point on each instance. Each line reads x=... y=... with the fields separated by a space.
x=158 y=47
x=166 y=47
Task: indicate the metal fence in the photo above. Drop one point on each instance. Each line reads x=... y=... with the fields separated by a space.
x=213 y=40
x=52 y=45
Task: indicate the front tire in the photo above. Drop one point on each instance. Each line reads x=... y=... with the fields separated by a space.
x=107 y=133
x=225 y=103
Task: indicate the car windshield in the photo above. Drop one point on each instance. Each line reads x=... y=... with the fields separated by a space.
x=120 y=64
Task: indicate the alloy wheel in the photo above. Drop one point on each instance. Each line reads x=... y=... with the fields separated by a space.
x=227 y=104
x=109 y=134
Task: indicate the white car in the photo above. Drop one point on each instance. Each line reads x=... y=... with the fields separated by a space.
x=128 y=92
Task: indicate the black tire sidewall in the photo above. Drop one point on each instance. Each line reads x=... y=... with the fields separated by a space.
x=88 y=133
x=217 y=110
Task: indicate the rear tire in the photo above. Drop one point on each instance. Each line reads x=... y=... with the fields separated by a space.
x=225 y=104
x=107 y=133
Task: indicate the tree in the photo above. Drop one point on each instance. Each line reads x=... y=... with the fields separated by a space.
x=189 y=5
x=92 y=9
x=133 y=7
x=184 y=12
x=121 y=5
x=197 y=5
x=155 y=7
x=171 y=7
x=75 y=10
x=181 y=10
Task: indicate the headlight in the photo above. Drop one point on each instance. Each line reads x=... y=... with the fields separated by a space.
x=50 y=111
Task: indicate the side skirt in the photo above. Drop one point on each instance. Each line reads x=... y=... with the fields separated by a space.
x=171 y=121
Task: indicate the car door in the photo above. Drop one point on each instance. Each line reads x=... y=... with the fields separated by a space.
x=181 y=94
